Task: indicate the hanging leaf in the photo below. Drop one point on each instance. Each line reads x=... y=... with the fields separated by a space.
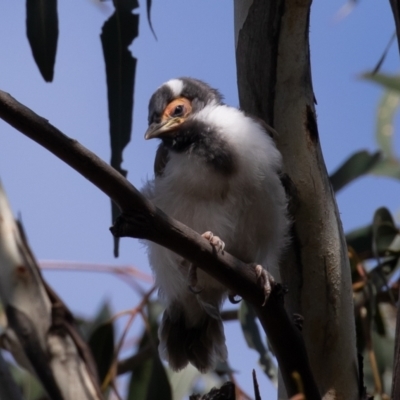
x=356 y=165
x=118 y=33
x=101 y=343
x=148 y=9
x=247 y=318
x=42 y=32
x=149 y=380
x=383 y=231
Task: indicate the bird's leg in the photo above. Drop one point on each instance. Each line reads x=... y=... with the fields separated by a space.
x=218 y=245
x=265 y=280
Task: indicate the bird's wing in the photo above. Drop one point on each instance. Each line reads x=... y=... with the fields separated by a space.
x=161 y=160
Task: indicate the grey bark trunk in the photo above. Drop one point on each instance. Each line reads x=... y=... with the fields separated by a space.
x=274 y=82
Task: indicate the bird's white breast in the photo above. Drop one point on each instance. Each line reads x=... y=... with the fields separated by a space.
x=247 y=208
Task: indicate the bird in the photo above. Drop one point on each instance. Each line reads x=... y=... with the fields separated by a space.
x=218 y=171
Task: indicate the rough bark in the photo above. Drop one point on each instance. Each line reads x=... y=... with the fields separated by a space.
x=40 y=332
x=274 y=81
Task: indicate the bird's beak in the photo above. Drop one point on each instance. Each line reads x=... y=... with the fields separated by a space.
x=163 y=129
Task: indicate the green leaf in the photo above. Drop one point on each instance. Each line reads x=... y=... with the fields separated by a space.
x=384 y=127
x=42 y=32
x=149 y=381
x=247 y=318
x=389 y=168
x=118 y=33
x=383 y=231
x=101 y=343
x=31 y=387
x=391 y=82
x=361 y=241
x=356 y=165
x=87 y=327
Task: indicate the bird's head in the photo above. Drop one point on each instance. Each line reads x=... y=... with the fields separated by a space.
x=175 y=103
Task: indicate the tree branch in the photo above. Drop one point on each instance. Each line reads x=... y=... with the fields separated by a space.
x=141 y=219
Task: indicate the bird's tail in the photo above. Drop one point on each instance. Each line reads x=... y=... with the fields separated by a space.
x=201 y=344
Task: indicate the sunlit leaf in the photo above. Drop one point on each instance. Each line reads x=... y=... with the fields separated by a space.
x=42 y=32
x=389 y=168
x=384 y=127
x=356 y=165
x=118 y=33
x=252 y=335
x=391 y=82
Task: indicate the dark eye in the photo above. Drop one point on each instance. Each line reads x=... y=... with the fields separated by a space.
x=178 y=111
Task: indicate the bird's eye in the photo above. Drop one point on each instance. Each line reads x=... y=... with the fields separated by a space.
x=178 y=108
x=178 y=111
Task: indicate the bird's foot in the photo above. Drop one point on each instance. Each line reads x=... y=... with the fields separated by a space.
x=219 y=246
x=265 y=280
x=215 y=241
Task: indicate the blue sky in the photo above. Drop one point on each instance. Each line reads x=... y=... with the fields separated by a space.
x=66 y=218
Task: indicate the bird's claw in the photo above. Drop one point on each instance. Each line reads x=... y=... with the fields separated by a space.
x=265 y=280
x=215 y=241
x=219 y=246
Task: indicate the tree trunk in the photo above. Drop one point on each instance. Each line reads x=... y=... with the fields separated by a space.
x=274 y=82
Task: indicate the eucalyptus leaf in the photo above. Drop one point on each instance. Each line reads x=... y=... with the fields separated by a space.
x=391 y=82
x=383 y=231
x=117 y=35
x=356 y=165
x=360 y=240
x=87 y=327
x=42 y=33
x=384 y=128
x=389 y=168
x=149 y=381
x=101 y=343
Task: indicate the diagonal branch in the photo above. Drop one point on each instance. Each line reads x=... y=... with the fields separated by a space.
x=141 y=219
